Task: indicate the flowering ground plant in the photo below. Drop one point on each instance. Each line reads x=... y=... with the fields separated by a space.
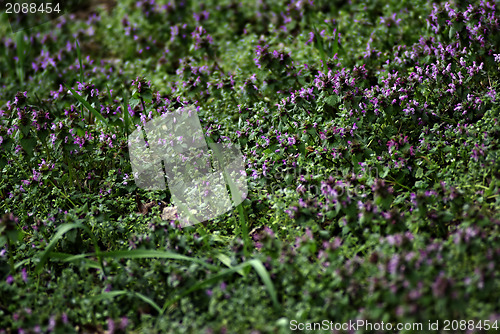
x=369 y=134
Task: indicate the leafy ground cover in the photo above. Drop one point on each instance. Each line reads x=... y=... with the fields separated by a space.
x=370 y=135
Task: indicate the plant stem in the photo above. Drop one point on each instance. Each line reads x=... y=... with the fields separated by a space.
x=143 y=105
x=244 y=229
x=63 y=193
x=11 y=258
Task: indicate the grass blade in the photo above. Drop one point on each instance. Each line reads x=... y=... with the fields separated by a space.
x=236 y=197
x=79 y=53
x=108 y=295
x=200 y=285
x=75 y=259
x=60 y=232
x=145 y=254
x=110 y=100
x=227 y=261
x=335 y=43
x=266 y=279
x=256 y=264
x=147 y=300
x=113 y=294
x=20 y=48
x=21 y=263
x=126 y=116
x=244 y=228
x=87 y=105
x=320 y=47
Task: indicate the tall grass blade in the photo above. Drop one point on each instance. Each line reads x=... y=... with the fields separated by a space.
x=110 y=100
x=256 y=264
x=227 y=261
x=200 y=285
x=266 y=279
x=113 y=294
x=60 y=232
x=87 y=105
x=109 y=295
x=20 y=48
x=145 y=254
x=79 y=54
x=75 y=259
x=148 y=300
x=236 y=197
x=320 y=47
x=335 y=43
x=126 y=116
x=244 y=228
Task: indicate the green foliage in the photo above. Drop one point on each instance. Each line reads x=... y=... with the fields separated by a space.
x=370 y=133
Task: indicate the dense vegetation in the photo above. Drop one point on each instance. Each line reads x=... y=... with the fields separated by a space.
x=371 y=140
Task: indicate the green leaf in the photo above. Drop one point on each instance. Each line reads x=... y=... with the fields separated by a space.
x=312 y=131
x=385 y=172
x=110 y=100
x=332 y=100
x=28 y=144
x=134 y=102
x=43 y=134
x=14 y=236
x=421 y=185
x=80 y=132
x=302 y=148
x=419 y=173
x=224 y=259
x=25 y=129
x=3 y=162
x=147 y=96
x=452 y=32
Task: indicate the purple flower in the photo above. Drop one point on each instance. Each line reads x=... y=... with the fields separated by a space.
x=24 y=275
x=123 y=323
x=111 y=326
x=311 y=37
x=52 y=323
x=440 y=285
